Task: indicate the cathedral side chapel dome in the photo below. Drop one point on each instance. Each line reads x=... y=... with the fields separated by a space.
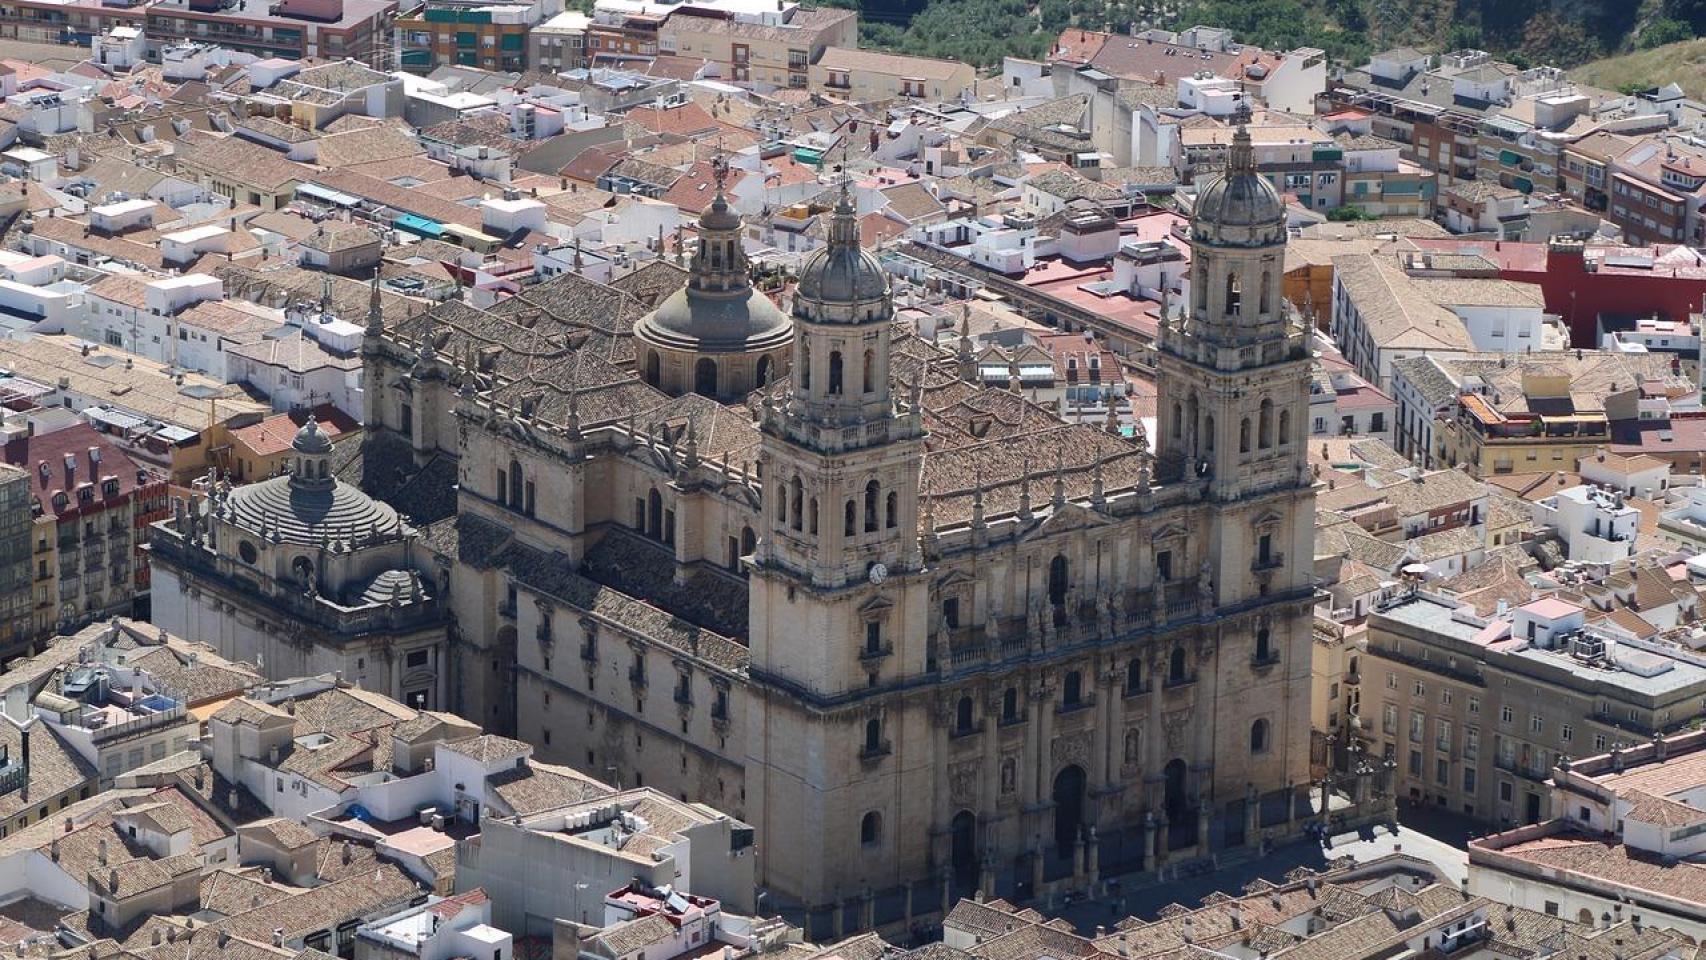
x=309 y=506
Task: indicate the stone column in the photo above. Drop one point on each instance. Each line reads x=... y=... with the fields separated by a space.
x=1092 y=859
x=1205 y=811
x=1252 y=816
x=1149 y=849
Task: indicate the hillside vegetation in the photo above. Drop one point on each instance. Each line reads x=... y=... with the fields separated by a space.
x=1683 y=63
x=1562 y=32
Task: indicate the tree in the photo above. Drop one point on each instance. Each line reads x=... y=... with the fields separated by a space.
x=1662 y=31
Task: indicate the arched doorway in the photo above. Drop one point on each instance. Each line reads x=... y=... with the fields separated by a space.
x=654 y=515
x=705 y=377
x=1068 y=799
x=964 y=855
x=1181 y=819
x=1057 y=587
x=763 y=371
x=654 y=367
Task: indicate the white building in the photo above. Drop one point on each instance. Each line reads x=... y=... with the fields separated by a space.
x=443 y=928
x=563 y=862
x=1626 y=847
x=1639 y=475
x=1595 y=524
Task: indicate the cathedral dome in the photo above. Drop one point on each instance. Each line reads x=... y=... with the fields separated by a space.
x=704 y=322
x=718 y=311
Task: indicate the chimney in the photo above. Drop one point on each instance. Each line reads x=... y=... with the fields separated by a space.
x=347 y=854
x=101 y=852
x=278 y=936
x=112 y=880
x=224 y=937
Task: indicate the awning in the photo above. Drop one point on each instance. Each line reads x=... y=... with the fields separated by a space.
x=114 y=419
x=419 y=226
x=328 y=195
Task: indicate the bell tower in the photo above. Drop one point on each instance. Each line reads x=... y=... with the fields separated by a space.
x=838 y=595
x=842 y=453
x=1233 y=375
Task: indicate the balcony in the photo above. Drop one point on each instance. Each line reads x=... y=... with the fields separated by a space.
x=873 y=753
x=1272 y=561
x=637 y=677
x=1264 y=660
x=870 y=655
x=589 y=652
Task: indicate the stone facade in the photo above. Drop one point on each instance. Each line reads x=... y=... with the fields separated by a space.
x=920 y=633
x=304 y=575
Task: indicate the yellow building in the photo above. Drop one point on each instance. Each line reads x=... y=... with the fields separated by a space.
x=865 y=75
x=762 y=54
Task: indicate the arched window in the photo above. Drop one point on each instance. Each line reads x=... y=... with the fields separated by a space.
x=1234 y=294
x=1208 y=432
x=796 y=500
x=654 y=515
x=1259 y=737
x=835 y=372
x=654 y=367
x=1285 y=427
x=1264 y=291
x=871 y=828
x=1244 y=435
x=848 y=526
x=962 y=715
x=1176 y=666
x=303 y=568
x=1057 y=579
x=748 y=542
x=782 y=505
x=1178 y=420
x=1202 y=287
x=1134 y=676
x=1265 y=425
x=1072 y=689
x=1009 y=705
x=705 y=377
x=873 y=735
x=814 y=517
x=891 y=510
x=872 y=494
x=517 y=485
x=763 y=371
x=1264 y=645
x=805 y=364
x=870 y=371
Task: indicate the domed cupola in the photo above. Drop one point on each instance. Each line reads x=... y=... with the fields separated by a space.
x=313 y=449
x=1239 y=207
x=842 y=283
x=717 y=336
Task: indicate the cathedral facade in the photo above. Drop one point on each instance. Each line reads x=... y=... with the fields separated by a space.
x=922 y=635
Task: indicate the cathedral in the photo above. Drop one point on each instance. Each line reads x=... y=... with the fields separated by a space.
x=801 y=566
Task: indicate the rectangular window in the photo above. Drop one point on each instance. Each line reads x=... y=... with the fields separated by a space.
x=1442 y=771
x=1417 y=724
x=1468 y=779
